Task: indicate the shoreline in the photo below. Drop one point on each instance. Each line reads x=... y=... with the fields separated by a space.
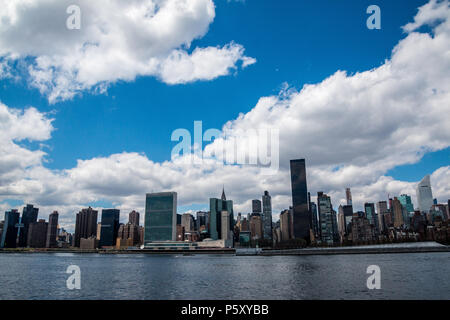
x=375 y=249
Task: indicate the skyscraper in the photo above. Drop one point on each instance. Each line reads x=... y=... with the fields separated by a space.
x=160 y=217
x=314 y=219
x=397 y=213
x=369 y=209
x=110 y=227
x=29 y=215
x=37 y=234
x=85 y=225
x=424 y=194
x=326 y=218
x=382 y=210
x=187 y=221
x=300 y=200
x=406 y=202
x=52 y=230
x=348 y=196
x=285 y=225
x=215 y=219
x=256 y=206
x=267 y=215
x=133 y=218
x=9 y=234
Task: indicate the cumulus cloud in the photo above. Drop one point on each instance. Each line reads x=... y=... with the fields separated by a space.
x=117 y=41
x=351 y=129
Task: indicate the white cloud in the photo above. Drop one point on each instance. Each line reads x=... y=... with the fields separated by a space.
x=351 y=129
x=118 y=41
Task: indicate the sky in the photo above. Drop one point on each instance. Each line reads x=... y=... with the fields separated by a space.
x=87 y=115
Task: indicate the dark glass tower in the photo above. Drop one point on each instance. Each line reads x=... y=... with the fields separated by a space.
x=52 y=230
x=300 y=205
x=216 y=207
x=9 y=234
x=160 y=217
x=110 y=227
x=29 y=215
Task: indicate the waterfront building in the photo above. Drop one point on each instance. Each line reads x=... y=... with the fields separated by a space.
x=110 y=227
x=424 y=194
x=128 y=234
x=29 y=215
x=90 y=243
x=362 y=230
x=300 y=206
x=160 y=217
x=37 y=234
x=267 y=216
x=325 y=218
x=10 y=226
x=244 y=238
x=85 y=225
x=133 y=218
x=216 y=208
x=52 y=230
x=180 y=233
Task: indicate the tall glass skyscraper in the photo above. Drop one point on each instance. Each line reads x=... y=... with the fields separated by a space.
x=267 y=215
x=406 y=202
x=9 y=234
x=29 y=215
x=160 y=217
x=215 y=220
x=424 y=194
x=109 y=227
x=300 y=200
x=326 y=218
x=369 y=209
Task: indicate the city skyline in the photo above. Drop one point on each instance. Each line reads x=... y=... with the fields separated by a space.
x=255 y=204
x=103 y=142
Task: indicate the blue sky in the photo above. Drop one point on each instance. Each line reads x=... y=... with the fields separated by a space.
x=293 y=42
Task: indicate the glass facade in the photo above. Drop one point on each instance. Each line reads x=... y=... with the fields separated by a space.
x=9 y=234
x=160 y=217
x=29 y=215
x=267 y=215
x=406 y=202
x=215 y=220
x=300 y=199
x=109 y=227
